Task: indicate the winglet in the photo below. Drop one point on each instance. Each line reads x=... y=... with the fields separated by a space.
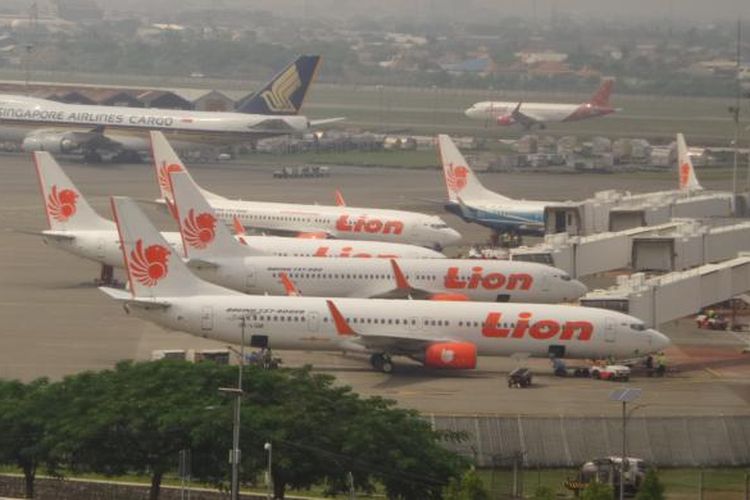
x=239 y=229
x=342 y=327
x=340 y=201
x=401 y=282
x=289 y=286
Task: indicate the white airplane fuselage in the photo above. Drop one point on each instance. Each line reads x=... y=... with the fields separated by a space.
x=542 y=112
x=305 y=323
x=343 y=222
x=477 y=280
x=103 y=246
x=41 y=124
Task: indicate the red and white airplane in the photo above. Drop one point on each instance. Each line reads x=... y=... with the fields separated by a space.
x=322 y=221
x=531 y=114
x=217 y=257
x=440 y=335
x=76 y=228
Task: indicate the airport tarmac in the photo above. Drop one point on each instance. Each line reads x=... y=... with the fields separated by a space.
x=55 y=322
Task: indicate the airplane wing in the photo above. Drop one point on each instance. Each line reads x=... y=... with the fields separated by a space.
x=126 y=297
x=76 y=139
x=526 y=120
x=394 y=343
x=46 y=234
x=201 y=264
x=405 y=290
x=325 y=121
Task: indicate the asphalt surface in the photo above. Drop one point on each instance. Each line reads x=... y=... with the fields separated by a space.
x=55 y=322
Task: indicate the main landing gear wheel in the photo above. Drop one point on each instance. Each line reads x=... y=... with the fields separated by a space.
x=382 y=362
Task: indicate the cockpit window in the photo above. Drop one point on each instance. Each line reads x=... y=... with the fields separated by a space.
x=565 y=277
x=639 y=327
x=439 y=226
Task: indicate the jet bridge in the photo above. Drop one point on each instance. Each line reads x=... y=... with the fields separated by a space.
x=585 y=255
x=674 y=246
x=672 y=296
x=616 y=211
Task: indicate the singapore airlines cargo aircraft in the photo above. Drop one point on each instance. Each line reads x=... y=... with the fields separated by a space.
x=530 y=114
x=76 y=228
x=440 y=335
x=43 y=125
x=217 y=257
x=471 y=201
x=319 y=221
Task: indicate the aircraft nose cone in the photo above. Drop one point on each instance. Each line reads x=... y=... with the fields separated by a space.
x=470 y=112
x=580 y=288
x=450 y=237
x=659 y=341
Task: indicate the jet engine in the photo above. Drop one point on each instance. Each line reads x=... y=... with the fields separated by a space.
x=453 y=355
x=505 y=120
x=51 y=142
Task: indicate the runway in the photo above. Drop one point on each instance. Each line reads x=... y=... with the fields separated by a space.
x=55 y=322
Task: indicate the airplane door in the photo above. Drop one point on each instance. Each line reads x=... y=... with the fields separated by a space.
x=249 y=277
x=609 y=329
x=313 y=320
x=207 y=318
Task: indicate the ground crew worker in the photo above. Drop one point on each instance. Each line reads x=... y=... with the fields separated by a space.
x=661 y=364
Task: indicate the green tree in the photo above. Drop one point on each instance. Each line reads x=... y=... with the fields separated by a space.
x=137 y=417
x=597 y=491
x=651 y=489
x=24 y=415
x=468 y=487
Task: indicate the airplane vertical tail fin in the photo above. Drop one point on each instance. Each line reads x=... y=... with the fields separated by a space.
x=154 y=269
x=460 y=181
x=285 y=93
x=686 y=173
x=601 y=96
x=203 y=234
x=65 y=206
x=165 y=161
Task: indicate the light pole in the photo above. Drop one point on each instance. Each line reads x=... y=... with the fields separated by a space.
x=269 y=449
x=234 y=453
x=625 y=396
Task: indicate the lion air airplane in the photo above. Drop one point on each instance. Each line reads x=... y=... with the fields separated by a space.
x=471 y=201
x=318 y=221
x=531 y=114
x=688 y=181
x=440 y=335
x=217 y=257
x=76 y=228
x=44 y=125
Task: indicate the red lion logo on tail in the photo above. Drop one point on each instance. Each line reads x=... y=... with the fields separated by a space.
x=61 y=205
x=199 y=231
x=456 y=177
x=164 y=171
x=684 y=175
x=150 y=265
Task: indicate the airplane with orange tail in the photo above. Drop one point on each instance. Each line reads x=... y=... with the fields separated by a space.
x=304 y=220
x=215 y=256
x=447 y=335
x=538 y=114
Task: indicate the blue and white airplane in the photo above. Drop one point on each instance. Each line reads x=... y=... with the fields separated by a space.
x=471 y=201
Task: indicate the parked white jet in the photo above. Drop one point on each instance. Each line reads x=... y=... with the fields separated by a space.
x=44 y=125
x=471 y=201
x=322 y=221
x=530 y=114
x=440 y=335
x=217 y=257
x=76 y=228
